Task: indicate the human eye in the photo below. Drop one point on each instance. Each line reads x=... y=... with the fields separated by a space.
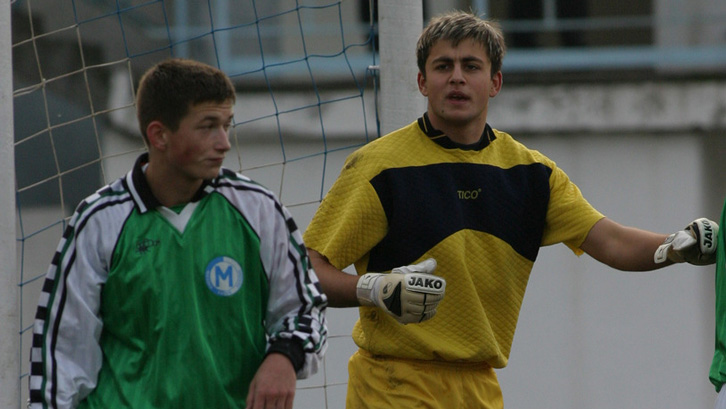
x=206 y=126
x=472 y=66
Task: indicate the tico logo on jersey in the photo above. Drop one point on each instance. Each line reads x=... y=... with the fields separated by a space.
x=223 y=276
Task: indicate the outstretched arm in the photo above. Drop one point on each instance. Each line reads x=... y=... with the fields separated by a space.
x=631 y=249
x=623 y=248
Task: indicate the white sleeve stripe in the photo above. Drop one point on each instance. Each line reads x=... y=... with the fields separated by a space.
x=50 y=316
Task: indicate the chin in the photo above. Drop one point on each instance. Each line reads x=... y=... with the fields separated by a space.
x=459 y=119
x=211 y=174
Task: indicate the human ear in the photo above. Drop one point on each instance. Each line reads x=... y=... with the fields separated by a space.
x=157 y=135
x=421 y=80
x=496 y=84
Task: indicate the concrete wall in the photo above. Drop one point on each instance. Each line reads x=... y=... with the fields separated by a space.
x=593 y=337
x=647 y=155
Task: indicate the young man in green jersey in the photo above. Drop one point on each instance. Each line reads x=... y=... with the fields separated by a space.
x=450 y=188
x=182 y=284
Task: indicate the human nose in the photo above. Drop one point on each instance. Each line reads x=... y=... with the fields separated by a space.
x=222 y=142
x=457 y=74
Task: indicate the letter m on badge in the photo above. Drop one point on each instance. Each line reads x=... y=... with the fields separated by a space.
x=223 y=276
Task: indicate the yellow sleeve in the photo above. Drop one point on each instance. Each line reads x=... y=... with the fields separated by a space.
x=350 y=219
x=569 y=216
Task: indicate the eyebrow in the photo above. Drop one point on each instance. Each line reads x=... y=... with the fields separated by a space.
x=468 y=58
x=217 y=118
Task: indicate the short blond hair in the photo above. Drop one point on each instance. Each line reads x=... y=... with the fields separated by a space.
x=456 y=26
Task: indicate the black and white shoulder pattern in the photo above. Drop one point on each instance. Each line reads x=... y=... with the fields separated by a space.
x=63 y=364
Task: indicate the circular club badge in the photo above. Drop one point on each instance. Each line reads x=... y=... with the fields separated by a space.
x=223 y=276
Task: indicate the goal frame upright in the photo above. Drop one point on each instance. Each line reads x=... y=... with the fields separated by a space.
x=9 y=289
x=399 y=23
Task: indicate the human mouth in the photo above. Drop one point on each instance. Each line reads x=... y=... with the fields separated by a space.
x=216 y=161
x=457 y=97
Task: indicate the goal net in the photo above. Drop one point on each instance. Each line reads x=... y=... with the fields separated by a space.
x=307 y=73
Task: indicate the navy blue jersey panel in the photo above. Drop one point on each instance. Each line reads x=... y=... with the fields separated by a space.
x=426 y=204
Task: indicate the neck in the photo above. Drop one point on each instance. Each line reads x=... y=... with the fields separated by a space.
x=168 y=190
x=467 y=133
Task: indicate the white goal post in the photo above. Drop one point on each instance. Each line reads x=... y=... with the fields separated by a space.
x=9 y=290
x=400 y=23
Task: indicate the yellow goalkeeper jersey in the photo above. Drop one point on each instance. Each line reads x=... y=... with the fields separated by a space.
x=481 y=211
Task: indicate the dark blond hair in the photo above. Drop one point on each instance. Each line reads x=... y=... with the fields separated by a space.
x=456 y=26
x=170 y=88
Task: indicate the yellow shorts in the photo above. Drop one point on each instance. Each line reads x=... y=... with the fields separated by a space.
x=385 y=382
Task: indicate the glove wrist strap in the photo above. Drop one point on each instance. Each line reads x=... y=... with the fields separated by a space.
x=661 y=254
x=365 y=289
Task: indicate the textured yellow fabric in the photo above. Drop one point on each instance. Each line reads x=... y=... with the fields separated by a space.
x=486 y=277
x=397 y=383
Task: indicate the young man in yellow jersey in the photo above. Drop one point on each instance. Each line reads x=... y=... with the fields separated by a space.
x=450 y=195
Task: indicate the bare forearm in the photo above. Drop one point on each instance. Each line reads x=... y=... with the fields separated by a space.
x=621 y=247
x=339 y=286
x=637 y=250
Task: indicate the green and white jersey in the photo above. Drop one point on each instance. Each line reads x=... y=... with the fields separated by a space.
x=717 y=373
x=149 y=307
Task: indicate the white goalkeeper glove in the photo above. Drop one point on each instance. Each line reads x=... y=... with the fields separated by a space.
x=695 y=244
x=409 y=294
